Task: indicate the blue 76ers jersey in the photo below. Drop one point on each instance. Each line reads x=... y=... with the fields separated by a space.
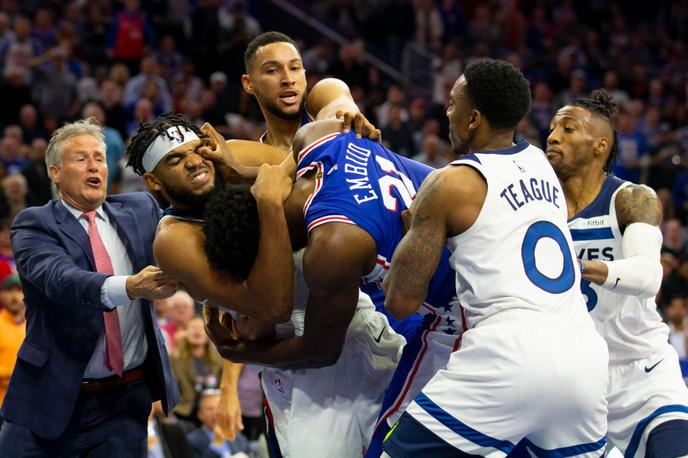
x=361 y=182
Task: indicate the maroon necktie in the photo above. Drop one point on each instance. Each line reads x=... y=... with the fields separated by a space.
x=113 y=338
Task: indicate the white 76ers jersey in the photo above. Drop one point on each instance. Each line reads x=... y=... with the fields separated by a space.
x=631 y=326
x=518 y=253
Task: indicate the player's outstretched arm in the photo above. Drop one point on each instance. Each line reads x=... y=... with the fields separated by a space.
x=639 y=213
x=447 y=204
x=331 y=98
x=415 y=259
x=267 y=294
x=237 y=161
x=333 y=264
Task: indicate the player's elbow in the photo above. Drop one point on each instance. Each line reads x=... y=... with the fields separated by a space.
x=401 y=307
x=652 y=281
x=274 y=308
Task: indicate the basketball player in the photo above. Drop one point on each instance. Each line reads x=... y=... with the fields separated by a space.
x=179 y=240
x=346 y=210
x=615 y=229
x=530 y=364
x=276 y=77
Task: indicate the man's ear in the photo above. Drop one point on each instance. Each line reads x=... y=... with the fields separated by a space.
x=54 y=174
x=246 y=83
x=152 y=181
x=475 y=120
x=601 y=146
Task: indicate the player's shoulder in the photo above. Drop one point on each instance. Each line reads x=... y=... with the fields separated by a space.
x=173 y=233
x=637 y=203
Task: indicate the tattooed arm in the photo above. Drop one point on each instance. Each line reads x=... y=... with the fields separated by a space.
x=447 y=204
x=638 y=270
x=637 y=204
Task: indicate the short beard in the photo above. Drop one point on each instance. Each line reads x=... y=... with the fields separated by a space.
x=272 y=108
x=186 y=200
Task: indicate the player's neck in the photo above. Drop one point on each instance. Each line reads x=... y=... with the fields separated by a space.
x=580 y=190
x=280 y=132
x=492 y=140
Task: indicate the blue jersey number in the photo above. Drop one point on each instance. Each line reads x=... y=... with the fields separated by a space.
x=590 y=294
x=535 y=233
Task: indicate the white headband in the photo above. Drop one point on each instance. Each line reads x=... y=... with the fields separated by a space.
x=163 y=144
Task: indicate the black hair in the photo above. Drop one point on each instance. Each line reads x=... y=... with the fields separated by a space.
x=499 y=91
x=602 y=105
x=231 y=230
x=261 y=40
x=149 y=131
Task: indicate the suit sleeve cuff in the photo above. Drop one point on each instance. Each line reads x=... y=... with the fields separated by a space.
x=114 y=291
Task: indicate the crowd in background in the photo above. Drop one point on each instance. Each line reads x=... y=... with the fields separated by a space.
x=127 y=62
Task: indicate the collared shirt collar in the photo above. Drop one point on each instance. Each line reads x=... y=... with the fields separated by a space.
x=77 y=213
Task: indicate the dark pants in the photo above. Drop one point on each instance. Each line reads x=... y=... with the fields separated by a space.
x=112 y=424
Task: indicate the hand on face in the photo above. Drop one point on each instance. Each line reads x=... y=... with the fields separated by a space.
x=214 y=147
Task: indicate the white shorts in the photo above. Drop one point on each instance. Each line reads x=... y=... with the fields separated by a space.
x=331 y=411
x=518 y=375
x=642 y=395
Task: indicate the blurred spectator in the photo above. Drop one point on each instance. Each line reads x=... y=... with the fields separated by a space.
x=396 y=95
x=55 y=85
x=611 y=85
x=632 y=149
x=349 y=65
x=28 y=120
x=115 y=114
x=207 y=441
x=577 y=88
x=12 y=155
x=512 y=25
x=6 y=36
x=192 y=83
x=317 y=58
x=197 y=366
x=542 y=111
x=677 y=318
x=205 y=36
x=114 y=145
x=36 y=173
x=44 y=30
x=453 y=21
x=166 y=435
x=674 y=240
x=169 y=58
x=12 y=328
x=15 y=192
x=237 y=29
x=434 y=152
x=429 y=25
x=397 y=134
x=445 y=71
x=143 y=113
x=138 y=85
x=130 y=35
x=20 y=51
x=180 y=307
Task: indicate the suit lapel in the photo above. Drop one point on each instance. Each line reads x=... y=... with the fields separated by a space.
x=127 y=227
x=74 y=230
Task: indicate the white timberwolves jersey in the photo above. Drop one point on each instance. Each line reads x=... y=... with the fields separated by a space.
x=631 y=325
x=518 y=253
